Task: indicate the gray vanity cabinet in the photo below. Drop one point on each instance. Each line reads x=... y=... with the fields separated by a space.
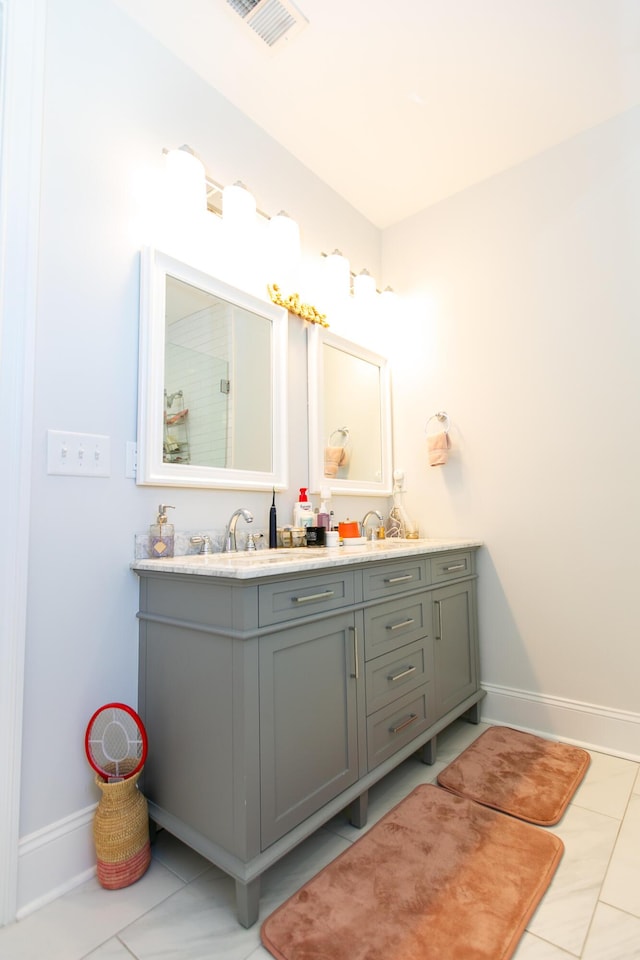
x=274 y=701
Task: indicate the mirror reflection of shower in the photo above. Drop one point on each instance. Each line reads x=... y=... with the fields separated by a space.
x=218 y=356
x=175 y=437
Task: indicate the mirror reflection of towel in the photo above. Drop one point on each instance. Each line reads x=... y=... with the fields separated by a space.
x=439 y=445
x=334 y=458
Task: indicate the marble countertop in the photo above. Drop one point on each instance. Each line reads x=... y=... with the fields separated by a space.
x=248 y=565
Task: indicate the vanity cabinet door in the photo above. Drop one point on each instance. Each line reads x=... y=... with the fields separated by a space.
x=308 y=720
x=455 y=646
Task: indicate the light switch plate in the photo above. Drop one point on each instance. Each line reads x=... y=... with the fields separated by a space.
x=78 y=454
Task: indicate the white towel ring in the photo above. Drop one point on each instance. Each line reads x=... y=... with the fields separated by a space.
x=442 y=418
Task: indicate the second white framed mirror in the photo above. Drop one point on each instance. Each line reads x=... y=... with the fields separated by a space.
x=349 y=416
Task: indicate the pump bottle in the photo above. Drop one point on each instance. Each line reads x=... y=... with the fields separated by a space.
x=303 y=510
x=324 y=519
x=161 y=534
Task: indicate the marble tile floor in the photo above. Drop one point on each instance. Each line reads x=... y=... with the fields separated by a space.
x=183 y=908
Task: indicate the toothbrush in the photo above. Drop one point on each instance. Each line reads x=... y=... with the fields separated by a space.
x=273 y=538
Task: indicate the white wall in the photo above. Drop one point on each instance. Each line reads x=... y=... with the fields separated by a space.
x=114 y=99
x=523 y=312
x=525 y=315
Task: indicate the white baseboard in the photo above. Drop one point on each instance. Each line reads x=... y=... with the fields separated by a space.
x=587 y=725
x=54 y=860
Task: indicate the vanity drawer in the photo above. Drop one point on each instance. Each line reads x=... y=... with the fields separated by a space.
x=291 y=599
x=392 y=625
x=396 y=673
x=395 y=577
x=394 y=726
x=448 y=566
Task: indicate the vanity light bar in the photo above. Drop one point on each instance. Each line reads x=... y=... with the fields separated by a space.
x=213 y=188
x=352 y=276
x=214 y=198
x=214 y=191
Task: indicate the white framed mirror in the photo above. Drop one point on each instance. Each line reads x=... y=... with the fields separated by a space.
x=212 y=408
x=349 y=417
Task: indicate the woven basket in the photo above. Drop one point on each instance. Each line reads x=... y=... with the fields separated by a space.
x=121 y=833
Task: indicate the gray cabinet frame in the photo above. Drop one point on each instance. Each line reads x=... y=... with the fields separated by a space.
x=254 y=696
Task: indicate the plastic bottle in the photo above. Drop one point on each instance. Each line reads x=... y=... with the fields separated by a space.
x=161 y=534
x=303 y=510
x=324 y=518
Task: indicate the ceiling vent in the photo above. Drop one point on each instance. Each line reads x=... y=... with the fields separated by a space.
x=274 y=21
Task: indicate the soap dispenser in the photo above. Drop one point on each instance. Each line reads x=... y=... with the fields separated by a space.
x=161 y=534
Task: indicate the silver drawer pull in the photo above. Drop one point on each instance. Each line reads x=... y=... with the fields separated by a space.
x=410 y=719
x=456 y=566
x=409 y=576
x=404 y=623
x=356 y=671
x=314 y=596
x=405 y=673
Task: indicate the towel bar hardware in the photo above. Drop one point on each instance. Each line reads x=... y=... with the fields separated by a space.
x=404 y=623
x=342 y=430
x=401 y=726
x=399 y=676
x=314 y=596
x=442 y=417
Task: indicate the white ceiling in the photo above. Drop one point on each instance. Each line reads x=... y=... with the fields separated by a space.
x=397 y=104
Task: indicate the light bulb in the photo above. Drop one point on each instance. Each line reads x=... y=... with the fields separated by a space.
x=337 y=276
x=185 y=183
x=364 y=286
x=238 y=207
x=283 y=251
x=183 y=204
x=240 y=257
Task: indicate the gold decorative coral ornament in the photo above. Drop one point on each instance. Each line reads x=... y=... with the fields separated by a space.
x=294 y=304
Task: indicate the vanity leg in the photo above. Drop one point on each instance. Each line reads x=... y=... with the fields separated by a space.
x=358 y=810
x=473 y=713
x=428 y=751
x=247 y=900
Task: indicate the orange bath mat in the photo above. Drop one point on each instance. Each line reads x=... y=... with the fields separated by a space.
x=518 y=773
x=438 y=878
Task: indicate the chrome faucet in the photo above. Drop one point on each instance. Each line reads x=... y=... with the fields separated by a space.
x=230 y=545
x=370 y=513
